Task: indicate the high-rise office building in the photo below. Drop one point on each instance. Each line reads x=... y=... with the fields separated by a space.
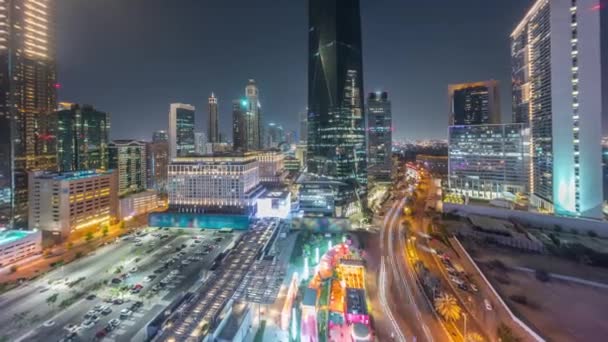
x=157 y=154
x=239 y=125
x=303 y=127
x=474 y=103
x=336 y=119
x=27 y=96
x=200 y=143
x=128 y=158
x=275 y=135
x=82 y=135
x=159 y=136
x=181 y=130
x=560 y=88
x=380 y=136
x=255 y=129
x=488 y=161
x=213 y=129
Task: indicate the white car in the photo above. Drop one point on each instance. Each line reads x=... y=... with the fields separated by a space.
x=487 y=304
x=88 y=324
x=49 y=323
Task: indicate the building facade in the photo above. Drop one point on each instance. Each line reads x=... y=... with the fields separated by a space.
x=488 y=161
x=254 y=123
x=200 y=143
x=157 y=163
x=380 y=136
x=336 y=118
x=213 y=128
x=128 y=158
x=63 y=202
x=217 y=183
x=560 y=90
x=16 y=245
x=303 y=127
x=181 y=130
x=275 y=135
x=272 y=166
x=82 y=135
x=137 y=204
x=160 y=136
x=475 y=103
x=239 y=125
x=28 y=84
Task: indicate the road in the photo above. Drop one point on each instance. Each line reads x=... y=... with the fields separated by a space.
x=29 y=307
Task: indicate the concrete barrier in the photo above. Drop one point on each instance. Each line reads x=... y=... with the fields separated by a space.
x=536 y=220
x=516 y=319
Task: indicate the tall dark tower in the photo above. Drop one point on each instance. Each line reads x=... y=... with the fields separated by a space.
x=213 y=129
x=27 y=97
x=336 y=122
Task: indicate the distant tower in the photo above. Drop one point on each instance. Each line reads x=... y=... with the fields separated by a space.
x=254 y=117
x=239 y=125
x=181 y=130
x=475 y=103
x=380 y=135
x=213 y=131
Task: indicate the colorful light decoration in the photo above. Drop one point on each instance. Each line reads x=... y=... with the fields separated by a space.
x=329 y=244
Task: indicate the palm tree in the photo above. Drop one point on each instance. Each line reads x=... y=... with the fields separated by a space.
x=474 y=337
x=447 y=307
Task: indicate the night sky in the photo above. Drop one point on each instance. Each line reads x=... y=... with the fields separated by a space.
x=133 y=57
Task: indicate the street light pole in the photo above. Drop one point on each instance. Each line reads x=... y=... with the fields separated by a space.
x=465 y=326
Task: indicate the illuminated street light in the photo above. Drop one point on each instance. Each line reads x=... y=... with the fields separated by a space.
x=329 y=244
x=294 y=328
x=305 y=275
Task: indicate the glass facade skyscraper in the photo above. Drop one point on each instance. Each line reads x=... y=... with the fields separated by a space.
x=82 y=135
x=380 y=135
x=181 y=130
x=560 y=89
x=336 y=119
x=213 y=129
x=475 y=103
x=27 y=97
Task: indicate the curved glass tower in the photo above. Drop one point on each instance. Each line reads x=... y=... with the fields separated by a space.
x=336 y=122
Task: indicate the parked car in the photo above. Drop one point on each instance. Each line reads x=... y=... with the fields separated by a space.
x=125 y=313
x=101 y=334
x=49 y=323
x=91 y=296
x=118 y=301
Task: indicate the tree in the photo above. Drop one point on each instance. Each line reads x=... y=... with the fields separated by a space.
x=447 y=307
x=122 y=225
x=89 y=236
x=505 y=334
x=52 y=299
x=14 y=268
x=105 y=230
x=474 y=337
x=70 y=245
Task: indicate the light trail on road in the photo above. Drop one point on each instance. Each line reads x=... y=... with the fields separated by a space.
x=384 y=303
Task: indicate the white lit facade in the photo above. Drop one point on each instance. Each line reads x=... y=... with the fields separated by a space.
x=559 y=89
x=16 y=245
x=214 y=183
x=63 y=202
x=271 y=165
x=488 y=161
x=138 y=204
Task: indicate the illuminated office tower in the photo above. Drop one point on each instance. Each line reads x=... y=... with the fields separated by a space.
x=560 y=90
x=128 y=158
x=239 y=125
x=380 y=136
x=336 y=119
x=82 y=134
x=255 y=130
x=303 y=127
x=181 y=130
x=213 y=130
x=275 y=135
x=474 y=103
x=27 y=96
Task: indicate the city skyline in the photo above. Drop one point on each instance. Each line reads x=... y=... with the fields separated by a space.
x=449 y=51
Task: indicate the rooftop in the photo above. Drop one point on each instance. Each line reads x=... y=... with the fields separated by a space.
x=310 y=297
x=10 y=236
x=71 y=175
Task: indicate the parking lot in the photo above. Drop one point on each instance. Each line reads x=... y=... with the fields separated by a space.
x=115 y=291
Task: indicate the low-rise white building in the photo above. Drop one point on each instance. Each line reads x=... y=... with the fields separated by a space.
x=272 y=166
x=138 y=204
x=274 y=204
x=214 y=183
x=16 y=245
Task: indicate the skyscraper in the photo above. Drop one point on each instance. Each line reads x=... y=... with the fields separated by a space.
x=181 y=130
x=303 y=127
x=27 y=96
x=159 y=136
x=561 y=90
x=336 y=120
x=128 y=158
x=82 y=135
x=275 y=135
x=213 y=130
x=475 y=103
x=157 y=162
x=200 y=143
x=255 y=129
x=239 y=125
x=380 y=135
